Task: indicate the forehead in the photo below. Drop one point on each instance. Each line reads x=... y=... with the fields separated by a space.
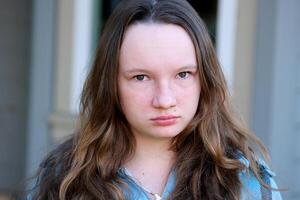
x=155 y=44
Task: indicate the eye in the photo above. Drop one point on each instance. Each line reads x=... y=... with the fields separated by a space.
x=140 y=77
x=183 y=75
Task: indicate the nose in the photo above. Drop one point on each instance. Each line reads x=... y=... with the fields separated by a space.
x=164 y=96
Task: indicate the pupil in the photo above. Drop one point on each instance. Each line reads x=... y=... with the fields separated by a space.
x=140 y=77
x=182 y=74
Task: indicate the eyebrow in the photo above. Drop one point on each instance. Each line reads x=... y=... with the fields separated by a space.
x=143 y=70
x=188 y=67
x=136 y=70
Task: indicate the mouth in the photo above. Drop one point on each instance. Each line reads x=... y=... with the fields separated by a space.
x=165 y=120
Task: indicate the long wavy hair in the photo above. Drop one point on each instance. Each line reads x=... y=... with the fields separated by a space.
x=207 y=165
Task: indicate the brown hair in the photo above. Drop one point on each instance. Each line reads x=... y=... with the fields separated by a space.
x=207 y=166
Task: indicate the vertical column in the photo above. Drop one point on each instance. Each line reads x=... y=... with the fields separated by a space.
x=235 y=46
x=276 y=102
x=41 y=74
x=226 y=37
x=61 y=118
x=245 y=57
x=73 y=50
x=81 y=55
x=263 y=76
x=284 y=132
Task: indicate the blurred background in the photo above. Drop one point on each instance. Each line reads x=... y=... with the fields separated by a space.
x=47 y=46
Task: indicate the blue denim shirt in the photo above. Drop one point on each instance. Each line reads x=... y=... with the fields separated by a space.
x=251 y=188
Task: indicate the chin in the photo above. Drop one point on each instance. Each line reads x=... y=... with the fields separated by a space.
x=164 y=133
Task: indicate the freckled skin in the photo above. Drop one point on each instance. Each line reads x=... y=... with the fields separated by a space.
x=158 y=77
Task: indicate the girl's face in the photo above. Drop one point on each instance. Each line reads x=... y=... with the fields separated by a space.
x=158 y=80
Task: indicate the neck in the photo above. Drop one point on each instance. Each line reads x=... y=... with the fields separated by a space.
x=152 y=151
x=151 y=163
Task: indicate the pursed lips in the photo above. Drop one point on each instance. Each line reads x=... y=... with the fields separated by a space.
x=165 y=120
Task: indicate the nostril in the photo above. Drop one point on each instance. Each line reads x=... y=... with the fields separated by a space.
x=164 y=95
x=164 y=101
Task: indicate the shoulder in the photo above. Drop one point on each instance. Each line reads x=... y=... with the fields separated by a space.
x=252 y=188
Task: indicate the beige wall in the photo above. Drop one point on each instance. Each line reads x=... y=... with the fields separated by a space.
x=244 y=57
x=236 y=30
x=62 y=119
x=74 y=35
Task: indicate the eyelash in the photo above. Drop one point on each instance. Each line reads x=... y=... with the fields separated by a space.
x=136 y=77
x=143 y=76
x=188 y=73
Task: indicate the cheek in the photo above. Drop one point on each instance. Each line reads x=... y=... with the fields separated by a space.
x=132 y=100
x=189 y=104
x=188 y=96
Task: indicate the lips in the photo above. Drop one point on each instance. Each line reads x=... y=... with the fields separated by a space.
x=166 y=120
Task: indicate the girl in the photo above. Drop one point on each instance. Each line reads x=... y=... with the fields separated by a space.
x=155 y=118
